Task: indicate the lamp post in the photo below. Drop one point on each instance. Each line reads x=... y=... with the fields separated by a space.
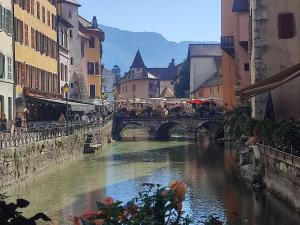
x=66 y=90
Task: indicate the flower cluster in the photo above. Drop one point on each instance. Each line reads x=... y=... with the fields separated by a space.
x=153 y=205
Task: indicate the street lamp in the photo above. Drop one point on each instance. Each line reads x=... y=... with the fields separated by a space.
x=66 y=90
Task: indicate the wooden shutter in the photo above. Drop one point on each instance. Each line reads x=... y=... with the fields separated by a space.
x=23 y=73
x=97 y=69
x=21 y=32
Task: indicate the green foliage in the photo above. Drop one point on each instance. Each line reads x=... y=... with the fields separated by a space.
x=182 y=86
x=281 y=135
x=117 y=71
x=10 y=216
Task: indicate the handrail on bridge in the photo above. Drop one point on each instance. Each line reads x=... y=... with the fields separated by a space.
x=219 y=118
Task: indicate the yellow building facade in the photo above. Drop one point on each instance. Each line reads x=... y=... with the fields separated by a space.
x=91 y=54
x=35 y=51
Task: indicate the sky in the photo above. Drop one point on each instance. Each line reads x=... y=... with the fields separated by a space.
x=176 y=20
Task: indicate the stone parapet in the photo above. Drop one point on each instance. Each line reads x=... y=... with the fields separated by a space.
x=19 y=163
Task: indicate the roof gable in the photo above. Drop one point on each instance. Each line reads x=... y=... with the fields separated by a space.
x=138 y=61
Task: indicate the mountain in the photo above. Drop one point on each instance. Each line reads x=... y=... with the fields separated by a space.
x=120 y=47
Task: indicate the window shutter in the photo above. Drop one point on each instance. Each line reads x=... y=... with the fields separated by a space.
x=1 y=16
x=97 y=72
x=2 y=65
x=21 y=32
x=23 y=74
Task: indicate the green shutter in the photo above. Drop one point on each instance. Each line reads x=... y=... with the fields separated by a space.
x=0 y=16
x=2 y=65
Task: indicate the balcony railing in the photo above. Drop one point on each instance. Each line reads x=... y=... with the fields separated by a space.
x=227 y=44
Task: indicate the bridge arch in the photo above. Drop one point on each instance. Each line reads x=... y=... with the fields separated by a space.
x=163 y=131
x=212 y=126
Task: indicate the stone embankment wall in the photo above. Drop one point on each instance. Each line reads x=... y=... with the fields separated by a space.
x=282 y=175
x=18 y=163
x=279 y=172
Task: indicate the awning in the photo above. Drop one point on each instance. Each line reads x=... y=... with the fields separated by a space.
x=271 y=82
x=75 y=106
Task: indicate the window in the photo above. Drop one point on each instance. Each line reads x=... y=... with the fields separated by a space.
x=125 y=88
x=9 y=68
x=32 y=38
x=48 y=19
x=92 y=42
x=71 y=33
x=93 y=68
x=26 y=34
x=43 y=14
x=286 y=26
x=218 y=88
x=2 y=66
x=92 y=91
x=6 y=22
x=70 y=14
x=38 y=10
x=133 y=87
x=246 y=66
x=211 y=89
x=71 y=60
x=1 y=104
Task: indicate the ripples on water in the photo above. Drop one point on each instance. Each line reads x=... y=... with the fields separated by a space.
x=121 y=167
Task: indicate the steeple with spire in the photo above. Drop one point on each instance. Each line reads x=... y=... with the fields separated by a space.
x=138 y=62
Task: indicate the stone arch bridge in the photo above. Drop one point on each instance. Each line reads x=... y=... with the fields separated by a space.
x=159 y=127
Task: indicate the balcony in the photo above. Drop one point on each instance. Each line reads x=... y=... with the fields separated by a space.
x=227 y=45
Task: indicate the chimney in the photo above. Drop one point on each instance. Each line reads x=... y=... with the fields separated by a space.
x=173 y=62
x=94 y=22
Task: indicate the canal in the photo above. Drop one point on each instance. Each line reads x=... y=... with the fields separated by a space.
x=121 y=168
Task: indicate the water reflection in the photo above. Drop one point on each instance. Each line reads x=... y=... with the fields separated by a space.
x=119 y=170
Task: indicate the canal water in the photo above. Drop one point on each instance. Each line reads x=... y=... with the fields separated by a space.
x=121 y=168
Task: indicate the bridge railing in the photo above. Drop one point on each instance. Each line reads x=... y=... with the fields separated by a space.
x=35 y=134
x=194 y=117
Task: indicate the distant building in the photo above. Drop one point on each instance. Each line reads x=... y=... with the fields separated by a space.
x=139 y=82
x=201 y=59
x=68 y=15
x=166 y=76
x=108 y=84
x=143 y=82
x=6 y=60
x=91 y=54
x=212 y=88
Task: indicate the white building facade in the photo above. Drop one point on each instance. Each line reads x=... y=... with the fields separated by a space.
x=108 y=82
x=202 y=63
x=6 y=60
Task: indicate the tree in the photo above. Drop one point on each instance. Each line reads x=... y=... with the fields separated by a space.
x=182 y=87
x=117 y=71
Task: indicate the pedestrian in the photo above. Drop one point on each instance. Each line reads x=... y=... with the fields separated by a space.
x=62 y=119
x=18 y=122
x=3 y=122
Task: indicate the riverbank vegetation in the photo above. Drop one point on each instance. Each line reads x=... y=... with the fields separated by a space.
x=282 y=135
